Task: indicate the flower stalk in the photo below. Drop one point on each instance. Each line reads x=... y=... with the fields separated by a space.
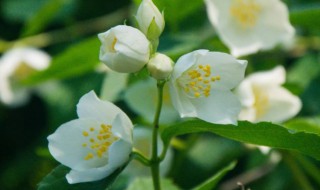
x=155 y=161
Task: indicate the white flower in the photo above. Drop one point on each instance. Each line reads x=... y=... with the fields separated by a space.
x=200 y=86
x=141 y=97
x=94 y=145
x=142 y=138
x=160 y=66
x=264 y=99
x=15 y=66
x=247 y=26
x=124 y=49
x=150 y=20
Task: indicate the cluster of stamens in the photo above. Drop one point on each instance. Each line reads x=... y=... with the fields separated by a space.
x=197 y=81
x=245 y=12
x=99 y=141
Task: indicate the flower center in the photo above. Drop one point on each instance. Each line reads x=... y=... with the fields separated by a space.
x=22 y=72
x=115 y=40
x=197 y=80
x=261 y=102
x=245 y=12
x=99 y=141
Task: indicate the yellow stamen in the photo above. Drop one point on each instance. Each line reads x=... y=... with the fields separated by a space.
x=245 y=12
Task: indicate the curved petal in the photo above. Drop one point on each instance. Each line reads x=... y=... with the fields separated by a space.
x=245 y=93
x=94 y=174
x=122 y=128
x=180 y=101
x=279 y=31
x=221 y=107
x=186 y=61
x=271 y=21
x=131 y=41
x=274 y=77
x=37 y=59
x=282 y=105
x=90 y=106
x=230 y=70
x=119 y=153
x=66 y=145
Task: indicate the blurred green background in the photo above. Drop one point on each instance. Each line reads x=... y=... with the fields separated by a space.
x=67 y=30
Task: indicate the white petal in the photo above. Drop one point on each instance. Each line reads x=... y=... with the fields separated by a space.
x=273 y=77
x=65 y=145
x=248 y=113
x=90 y=106
x=119 y=153
x=271 y=27
x=93 y=174
x=279 y=31
x=122 y=128
x=147 y=11
x=125 y=64
x=185 y=62
x=180 y=101
x=230 y=70
x=37 y=59
x=282 y=105
x=245 y=93
x=221 y=107
x=130 y=37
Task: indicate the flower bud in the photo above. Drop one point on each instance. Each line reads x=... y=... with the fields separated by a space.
x=150 y=20
x=160 y=66
x=124 y=49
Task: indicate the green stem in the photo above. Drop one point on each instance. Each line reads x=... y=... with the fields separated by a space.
x=155 y=161
x=138 y=156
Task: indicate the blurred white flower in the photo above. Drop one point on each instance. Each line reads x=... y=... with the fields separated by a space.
x=264 y=99
x=110 y=91
x=201 y=83
x=142 y=141
x=94 y=145
x=16 y=65
x=247 y=26
x=150 y=20
x=160 y=66
x=124 y=49
x=142 y=98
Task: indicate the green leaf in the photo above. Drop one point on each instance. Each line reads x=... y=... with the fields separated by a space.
x=175 y=46
x=153 y=30
x=305 y=16
x=304 y=71
x=76 y=60
x=213 y=181
x=307 y=125
x=263 y=133
x=310 y=98
x=56 y=180
x=146 y=183
x=177 y=10
x=42 y=18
